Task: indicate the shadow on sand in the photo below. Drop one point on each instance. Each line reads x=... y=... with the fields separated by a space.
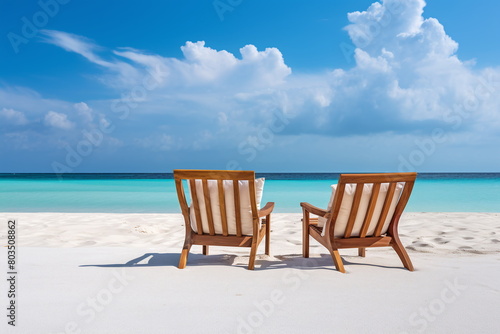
x=262 y=263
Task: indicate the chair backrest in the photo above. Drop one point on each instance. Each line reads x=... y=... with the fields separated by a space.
x=366 y=205
x=221 y=202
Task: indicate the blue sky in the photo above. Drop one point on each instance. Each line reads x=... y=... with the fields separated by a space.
x=343 y=86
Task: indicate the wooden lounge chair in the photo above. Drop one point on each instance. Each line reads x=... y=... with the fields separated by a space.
x=364 y=212
x=224 y=211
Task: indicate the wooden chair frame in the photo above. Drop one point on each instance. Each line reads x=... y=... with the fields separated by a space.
x=224 y=239
x=363 y=241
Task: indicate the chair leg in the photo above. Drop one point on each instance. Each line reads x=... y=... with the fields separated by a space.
x=362 y=252
x=305 y=234
x=184 y=256
x=337 y=260
x=205 y=250
x=253 y=253
x=268 y=234
x=401 y=251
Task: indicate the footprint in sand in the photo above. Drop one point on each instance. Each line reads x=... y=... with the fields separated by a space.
x=495 y=241
x=422 y=244
x=468 y=238
x=441 y=241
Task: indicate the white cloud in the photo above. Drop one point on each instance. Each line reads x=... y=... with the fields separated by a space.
x=390 y=24
x=205 y=63
x=85 y=112
x=58 y=120
x=13 y=116
x=85 y=47
x=77 y=44
x=28 y=101
x=406 y=80
x=24 y=107
x=203 y=66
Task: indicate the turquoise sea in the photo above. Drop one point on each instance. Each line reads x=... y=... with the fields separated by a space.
x=155 y=193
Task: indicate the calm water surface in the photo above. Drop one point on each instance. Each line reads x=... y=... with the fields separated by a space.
x=155 y=193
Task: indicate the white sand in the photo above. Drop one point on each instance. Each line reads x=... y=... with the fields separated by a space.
x=116 y=273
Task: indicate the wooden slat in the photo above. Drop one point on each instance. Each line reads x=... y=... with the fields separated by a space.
x=220 y=240
x=237 y=208
x=182 y=197
x=377 y=177
x=354 y=210
x=362 y=242
x=403 y=200
x=196 y=205
x=222 y=206
x=313 y=221
x=214 y=174
x=253 y=205
x=208 y=207
x=232 y=240
x=385 y=209
x=371 y=209
x=337 y=202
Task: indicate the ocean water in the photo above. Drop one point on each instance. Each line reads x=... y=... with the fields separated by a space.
x=155 y=193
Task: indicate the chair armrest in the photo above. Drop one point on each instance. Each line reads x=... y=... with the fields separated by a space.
x=266 y=210
x=312 y=209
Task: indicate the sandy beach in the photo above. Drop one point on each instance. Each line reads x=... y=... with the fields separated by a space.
x=115 y=117
x=116 y=273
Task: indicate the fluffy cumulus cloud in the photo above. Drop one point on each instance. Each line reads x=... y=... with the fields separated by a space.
x=406 y=77
x=13 y=117
x=58 y=120
x=406 y=80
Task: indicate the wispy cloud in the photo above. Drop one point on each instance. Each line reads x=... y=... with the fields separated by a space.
x=74 y=43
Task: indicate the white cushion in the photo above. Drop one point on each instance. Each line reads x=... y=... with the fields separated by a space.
x=345 y=209
x=245 y=206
